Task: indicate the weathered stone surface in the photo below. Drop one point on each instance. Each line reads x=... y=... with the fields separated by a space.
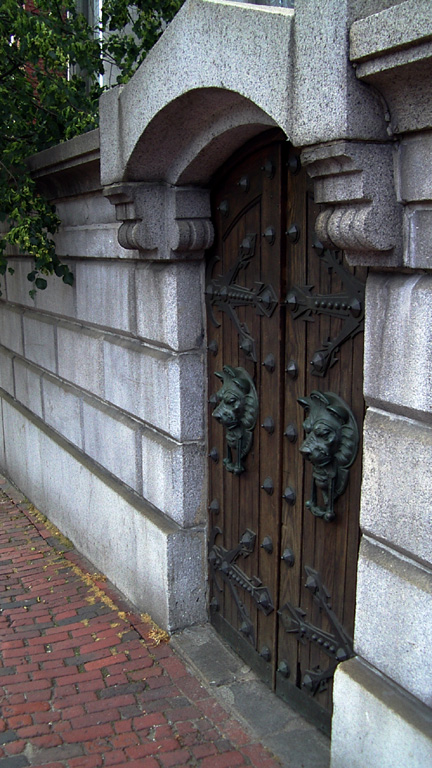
x=70 y=168
x=40 y=340
x=28 y=386
x=397 y=482
x=58 y=298
x=6 y=371
x=170 y=304
x=174 y=478
x=405 y=24
x=392 y=50
x=105 y=294
x=398 y=343
x=112 y=440
x=11 y=328
x=238 y=54
x=354 y=181
x=161 y=221
x=393 y=629
x=418 y=231
x=328 y=102
x=80 y=357
x=17 y=285
x=93 y=241
x=414 y=168
x=159 y=567
x=375 y=723
x=161 y=388
x=62 y=409
x=85 y=210
x=414 y=184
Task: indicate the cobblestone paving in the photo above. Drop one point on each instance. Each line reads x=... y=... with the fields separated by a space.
x=85 y=682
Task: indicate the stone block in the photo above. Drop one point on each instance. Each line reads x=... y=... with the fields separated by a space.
x=112 y=440
x=40 y=340
x=85 y=210
x=28 y=386
x=6 y=371
x=163 y=389
x=62 y=409
x=58 y=298
x=397 y=482
x=375 y=723
x=159 y=567
x=68 y=169
x=11 y=328
x=80 y=357
x=329 y=103
x=398 y=343
x=17 y=285
x=170 y=304
x=418 y=235
x=414 y=168
x=106 y=294
x=96 y=241
x=174 y=478
x=393 y=629
x=392 y=51
x=406 y=23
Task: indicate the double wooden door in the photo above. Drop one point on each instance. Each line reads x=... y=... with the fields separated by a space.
x=285 y=346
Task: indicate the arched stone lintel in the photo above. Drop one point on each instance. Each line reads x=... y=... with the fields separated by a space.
x=222 y=73
x=192 y=136
x=223 y=47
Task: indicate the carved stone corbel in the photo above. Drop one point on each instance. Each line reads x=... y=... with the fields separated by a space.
x=354 y=181
x=160 y=221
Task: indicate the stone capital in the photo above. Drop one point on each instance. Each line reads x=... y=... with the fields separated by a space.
x=354 y=181
x=162 y=222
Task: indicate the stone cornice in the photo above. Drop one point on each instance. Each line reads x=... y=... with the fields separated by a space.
x=392 y=50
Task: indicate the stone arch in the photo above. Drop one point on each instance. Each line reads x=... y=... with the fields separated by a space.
x=193 y=135
x=223 y=63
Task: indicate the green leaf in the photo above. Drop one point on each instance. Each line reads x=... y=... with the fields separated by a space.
x=50 y=62
x=68 y=278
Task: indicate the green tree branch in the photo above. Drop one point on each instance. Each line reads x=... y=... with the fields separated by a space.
x=50 y=63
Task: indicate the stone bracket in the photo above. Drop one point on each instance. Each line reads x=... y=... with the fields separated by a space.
x=161 y=221
x=354 y=181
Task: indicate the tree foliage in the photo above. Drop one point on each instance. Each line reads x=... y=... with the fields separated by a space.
x=51 y=62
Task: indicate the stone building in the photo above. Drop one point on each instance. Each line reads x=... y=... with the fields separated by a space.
x=104 y=387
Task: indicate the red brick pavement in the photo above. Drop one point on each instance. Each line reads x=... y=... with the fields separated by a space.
x=85 y=682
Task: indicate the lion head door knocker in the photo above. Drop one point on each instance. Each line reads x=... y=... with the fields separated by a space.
x=331 y=445
x=237 y=411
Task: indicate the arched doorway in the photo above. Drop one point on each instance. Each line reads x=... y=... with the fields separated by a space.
x=285 y=411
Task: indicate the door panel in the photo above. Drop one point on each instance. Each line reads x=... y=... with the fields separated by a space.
x=283 y=526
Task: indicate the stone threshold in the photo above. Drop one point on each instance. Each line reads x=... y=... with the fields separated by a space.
x=291 y=738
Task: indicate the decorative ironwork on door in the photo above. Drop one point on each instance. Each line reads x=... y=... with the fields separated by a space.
x=285 y=406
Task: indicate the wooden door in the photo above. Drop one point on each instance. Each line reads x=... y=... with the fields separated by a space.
x=284 y=349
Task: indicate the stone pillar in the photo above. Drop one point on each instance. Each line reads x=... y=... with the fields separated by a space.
x=383 y=698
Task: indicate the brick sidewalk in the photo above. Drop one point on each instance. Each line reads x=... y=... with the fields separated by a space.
x=86 y=682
